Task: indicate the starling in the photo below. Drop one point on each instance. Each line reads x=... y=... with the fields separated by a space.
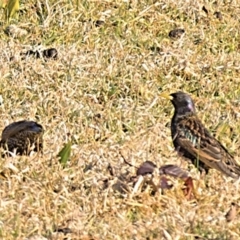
x=22 y=136
x=194 y=142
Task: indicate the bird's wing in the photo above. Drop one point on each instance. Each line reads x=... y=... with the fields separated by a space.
x=194 y=138
x=17 y=127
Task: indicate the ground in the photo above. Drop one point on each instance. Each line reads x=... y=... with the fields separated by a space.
x=102 y=94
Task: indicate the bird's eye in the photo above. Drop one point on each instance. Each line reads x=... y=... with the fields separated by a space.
x=190 y=107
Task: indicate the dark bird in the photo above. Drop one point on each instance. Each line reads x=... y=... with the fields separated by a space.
x=193 y=141
x=22 y=137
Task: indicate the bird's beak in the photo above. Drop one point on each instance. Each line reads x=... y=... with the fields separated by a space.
x=166 y=95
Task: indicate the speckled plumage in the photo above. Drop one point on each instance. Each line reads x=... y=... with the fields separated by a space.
x=193 y=141
x=23 y=136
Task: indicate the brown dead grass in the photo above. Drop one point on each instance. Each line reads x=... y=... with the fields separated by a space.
x=102 y=93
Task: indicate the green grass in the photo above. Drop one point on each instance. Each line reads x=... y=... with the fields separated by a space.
x=102 y=95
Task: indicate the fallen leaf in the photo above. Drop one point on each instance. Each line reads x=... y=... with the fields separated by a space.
x=232 y=213
x=65 y=153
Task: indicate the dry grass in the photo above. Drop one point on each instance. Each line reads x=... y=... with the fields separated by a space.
x=102 y=93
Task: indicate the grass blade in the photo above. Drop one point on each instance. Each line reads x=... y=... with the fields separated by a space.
x=65 y=153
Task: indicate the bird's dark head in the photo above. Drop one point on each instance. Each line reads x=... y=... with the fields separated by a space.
x=182 y=102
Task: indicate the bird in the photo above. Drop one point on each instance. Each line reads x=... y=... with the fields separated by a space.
x=194 y=142
x=22 y=137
